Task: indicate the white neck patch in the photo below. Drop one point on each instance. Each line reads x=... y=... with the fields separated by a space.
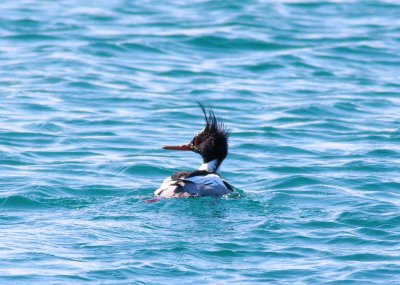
x=210 y=166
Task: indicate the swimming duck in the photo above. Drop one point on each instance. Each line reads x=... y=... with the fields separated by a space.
x=212 y=144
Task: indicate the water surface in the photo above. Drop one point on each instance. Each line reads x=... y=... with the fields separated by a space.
x=90 y=92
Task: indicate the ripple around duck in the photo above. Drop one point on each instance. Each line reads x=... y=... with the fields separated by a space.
x=293 y=182
x=362 y=219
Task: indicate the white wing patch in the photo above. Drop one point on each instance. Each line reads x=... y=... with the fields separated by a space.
x=167 y=188
x=208 y=185
x=207 y=180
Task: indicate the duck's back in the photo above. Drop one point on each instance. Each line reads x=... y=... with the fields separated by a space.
x=198 y=183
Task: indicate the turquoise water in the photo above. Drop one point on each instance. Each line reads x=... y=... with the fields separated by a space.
x=90 y=92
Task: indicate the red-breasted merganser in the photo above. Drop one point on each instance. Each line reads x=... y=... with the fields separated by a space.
x=212 y=144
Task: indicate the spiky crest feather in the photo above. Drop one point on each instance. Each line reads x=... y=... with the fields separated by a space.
x=213 y=124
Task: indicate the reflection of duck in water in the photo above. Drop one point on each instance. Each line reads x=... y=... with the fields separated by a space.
x=212 y=144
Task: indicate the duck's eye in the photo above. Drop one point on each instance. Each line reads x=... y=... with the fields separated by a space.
x=198 y=139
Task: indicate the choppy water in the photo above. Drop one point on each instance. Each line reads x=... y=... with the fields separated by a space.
x=90 y=92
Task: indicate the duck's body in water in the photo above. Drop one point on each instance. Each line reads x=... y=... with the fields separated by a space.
x=212 y=144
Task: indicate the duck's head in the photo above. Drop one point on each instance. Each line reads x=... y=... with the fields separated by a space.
x=211 y=143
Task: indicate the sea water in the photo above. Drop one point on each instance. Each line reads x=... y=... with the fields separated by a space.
x=91 y=90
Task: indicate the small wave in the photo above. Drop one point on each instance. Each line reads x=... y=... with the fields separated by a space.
x=20 y=202
x=238 y=44
x=34 y=37
x=294 y=181
x=146 y=169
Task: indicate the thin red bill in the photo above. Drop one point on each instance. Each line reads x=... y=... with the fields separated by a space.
x=184 y=147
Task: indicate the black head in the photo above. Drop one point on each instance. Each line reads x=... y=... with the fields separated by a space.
x=212 y=142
